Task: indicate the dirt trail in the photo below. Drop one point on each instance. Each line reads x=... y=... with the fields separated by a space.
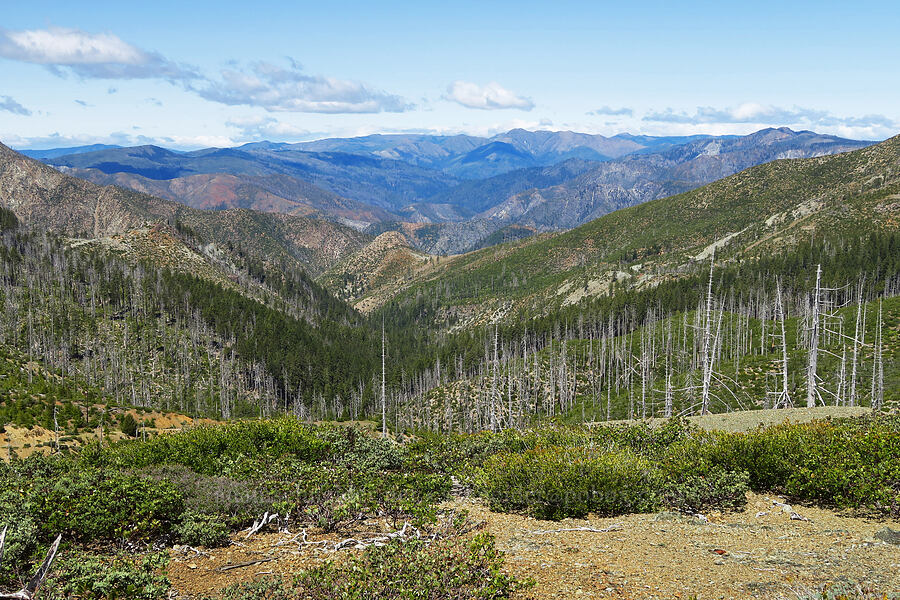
x=667 y=555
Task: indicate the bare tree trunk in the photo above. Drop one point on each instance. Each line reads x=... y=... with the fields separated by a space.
x=383 y=396
x=784 y=398
x=707 y=354
x=811 y=391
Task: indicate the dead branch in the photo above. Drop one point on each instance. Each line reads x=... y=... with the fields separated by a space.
x=29 y=591
x=363 y=543
x=244 y=564
x=613 y=527
x=262 y=522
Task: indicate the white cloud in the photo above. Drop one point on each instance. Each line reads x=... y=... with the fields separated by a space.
x=267 y=128
x=612 y=112
x=10 y=105
x=279 y=89
x=492 y=96
x=750 y=116
x=118 y=138
x=753 y=113
x=89 y=55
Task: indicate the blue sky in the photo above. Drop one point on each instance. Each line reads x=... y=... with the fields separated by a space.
x=192 y=73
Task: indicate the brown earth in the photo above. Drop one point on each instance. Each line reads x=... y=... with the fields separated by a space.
x=747 y=420
x=758 y=552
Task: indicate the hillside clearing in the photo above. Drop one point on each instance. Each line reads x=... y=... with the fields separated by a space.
x=747 y=420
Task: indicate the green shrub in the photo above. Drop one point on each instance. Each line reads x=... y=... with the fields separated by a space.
x=717 y=488
x=236 y=502
x=64 y=496
x=444 y=570
x=846 y=463
x=557 y=482
x=99 y=577
x=128 y=425
x=20 y=547
x=197 y=529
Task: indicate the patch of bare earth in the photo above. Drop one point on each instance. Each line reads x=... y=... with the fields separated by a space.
x=199 y=572
x=759 y=552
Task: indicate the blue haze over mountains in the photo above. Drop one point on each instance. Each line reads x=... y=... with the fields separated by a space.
x=462 y=192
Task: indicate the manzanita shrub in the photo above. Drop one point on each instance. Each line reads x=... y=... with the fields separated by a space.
x=553 y=473
x=556 y=482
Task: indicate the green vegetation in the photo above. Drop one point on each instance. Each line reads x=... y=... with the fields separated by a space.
x=444 y=570
x=91 y=576
x=617 y=470
x=198 y=486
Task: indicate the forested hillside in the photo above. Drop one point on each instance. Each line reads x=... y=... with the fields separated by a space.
x=221 y=317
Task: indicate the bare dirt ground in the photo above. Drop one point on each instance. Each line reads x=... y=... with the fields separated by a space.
x=759 y=552
x=746 y=420
x=198 y=572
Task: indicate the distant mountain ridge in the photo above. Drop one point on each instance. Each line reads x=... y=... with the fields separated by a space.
x=43 y=197
x=458 y=190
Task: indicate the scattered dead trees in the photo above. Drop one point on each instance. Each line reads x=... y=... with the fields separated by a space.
x=770 y=343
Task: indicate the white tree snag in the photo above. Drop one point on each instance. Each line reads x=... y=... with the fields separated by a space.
x=812 y=363
x=857 y=342
x=784 y=398
x=707 y=355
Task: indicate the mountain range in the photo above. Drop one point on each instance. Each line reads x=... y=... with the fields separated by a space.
x=446 y=194
x=285 y=305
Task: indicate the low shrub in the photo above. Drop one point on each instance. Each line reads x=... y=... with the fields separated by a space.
x=99 y=577
x=850 y=463
x=717 y=488
x=63 y=496
x=197 y=529
x=557 y=482
x=236 y=502
x=444 y=570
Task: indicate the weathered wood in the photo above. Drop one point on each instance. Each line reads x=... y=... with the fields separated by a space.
x=29 y=591
x=244 y=564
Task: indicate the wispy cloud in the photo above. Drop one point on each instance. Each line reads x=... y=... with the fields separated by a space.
x=279 y=89
x=267 y=128
x=117 y=138
x=492 y=96
x=612 y=112
x=10 y=105
x=90 y=55
x=766 y=114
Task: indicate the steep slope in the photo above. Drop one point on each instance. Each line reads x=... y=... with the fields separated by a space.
x=611 y=185
x=384 y=262
x=151 y=320
x=372 y=180
x=265 y=193
x=41 y=196
x=750 y=214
